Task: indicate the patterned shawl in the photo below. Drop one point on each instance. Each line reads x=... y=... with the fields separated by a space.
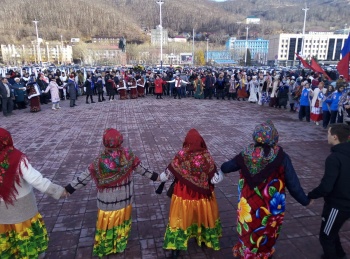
x=193 y=165
x=10 y=171
x=259 y=159
x=114 y=166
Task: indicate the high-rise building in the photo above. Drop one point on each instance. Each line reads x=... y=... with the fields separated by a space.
x=258 y=48
x=322 y=45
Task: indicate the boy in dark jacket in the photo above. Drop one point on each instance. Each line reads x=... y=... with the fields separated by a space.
x=334 y=188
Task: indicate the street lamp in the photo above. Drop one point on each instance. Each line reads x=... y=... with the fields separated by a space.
x=246 y=47
x=302 y=43
x=207 y=50
x=47 y=52
x=37 y=41
x=160 y=2
x=23 y=54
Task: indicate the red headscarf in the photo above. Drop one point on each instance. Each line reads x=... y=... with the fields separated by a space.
x=10 y=171
x=114 y=166
x=193 y=165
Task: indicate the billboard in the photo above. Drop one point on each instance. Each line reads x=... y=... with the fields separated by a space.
x=186 y=58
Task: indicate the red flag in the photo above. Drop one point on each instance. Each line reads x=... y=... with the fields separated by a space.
x=317 y=68
x=343 y=67
x=305 y=64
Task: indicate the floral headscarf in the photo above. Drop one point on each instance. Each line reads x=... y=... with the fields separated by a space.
x=10 y=171
x=266 y=134
x=115 y=164
x=258 y=159
x=193 y=165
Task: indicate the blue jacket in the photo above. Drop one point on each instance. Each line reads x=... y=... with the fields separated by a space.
x=19 y=93
x=305 y=97
x=327 y=100
x=335 y=100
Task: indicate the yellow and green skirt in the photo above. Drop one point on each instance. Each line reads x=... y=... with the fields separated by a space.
x=192 y=215
x=112 y=231
x=24 y=240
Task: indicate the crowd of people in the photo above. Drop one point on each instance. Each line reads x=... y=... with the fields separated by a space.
x=266 y=171
x=314 y=96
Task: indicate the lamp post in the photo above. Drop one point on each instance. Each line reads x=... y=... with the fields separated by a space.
x=23 y=55
x=193 y=47
x=37 y=41
x=160 y=2
x=47 y=52
x=34 y=52
x=302 y=43
x=246 y=47
x=207 y=50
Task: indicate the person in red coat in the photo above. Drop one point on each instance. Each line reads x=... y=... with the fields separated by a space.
x=133 y=88
x=158 y=87
x=122 y=89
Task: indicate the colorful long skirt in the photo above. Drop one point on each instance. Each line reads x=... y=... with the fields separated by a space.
x=34 y=104
x=265 y=98
x=133 y=93
x=192 y=215
x=260 y=216
x=112 y=231
x=23 y=240
x=316 y=112
x=141 y=91
x=242 y=92
x=122 y=94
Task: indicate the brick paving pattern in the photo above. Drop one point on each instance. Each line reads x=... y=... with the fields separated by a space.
x=60 y=144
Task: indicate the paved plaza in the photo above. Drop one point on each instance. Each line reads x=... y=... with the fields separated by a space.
x=60 y=144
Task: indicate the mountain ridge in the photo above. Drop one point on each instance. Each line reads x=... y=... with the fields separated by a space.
x=130 y=18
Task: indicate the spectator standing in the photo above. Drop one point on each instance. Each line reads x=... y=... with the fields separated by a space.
x=334 y=188
x=6 y=97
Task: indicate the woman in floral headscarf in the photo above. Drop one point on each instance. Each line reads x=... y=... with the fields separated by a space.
x=265 y=171
x=112 y=173
x=22 y=230
x=193 y=208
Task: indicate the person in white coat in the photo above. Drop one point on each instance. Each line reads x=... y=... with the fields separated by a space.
x=55 y=95
x=316 y=104
x=178 y=81
x=22 y=230
x=273 y=95
x=253 y=87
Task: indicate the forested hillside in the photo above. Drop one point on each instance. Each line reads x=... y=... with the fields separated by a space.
x=86 y=18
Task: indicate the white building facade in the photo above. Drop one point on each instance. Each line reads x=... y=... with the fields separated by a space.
x=252 y=20
x=325 y=46
x=24 y=54
x=156 y=36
